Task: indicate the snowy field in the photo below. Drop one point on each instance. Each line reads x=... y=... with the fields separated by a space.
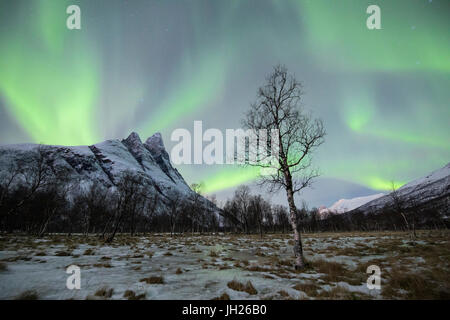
x=226 y=266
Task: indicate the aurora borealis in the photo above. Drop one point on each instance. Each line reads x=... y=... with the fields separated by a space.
x=151 y=65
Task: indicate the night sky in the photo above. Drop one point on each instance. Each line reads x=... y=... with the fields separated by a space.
x=149 y=66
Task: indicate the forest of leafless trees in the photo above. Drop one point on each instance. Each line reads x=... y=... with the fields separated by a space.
x=36 y=201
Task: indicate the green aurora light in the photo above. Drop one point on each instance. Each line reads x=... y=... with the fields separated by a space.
x=151 y=66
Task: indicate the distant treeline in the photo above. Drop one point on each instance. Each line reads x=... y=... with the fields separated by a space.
x=36 y=200
x=256 y=215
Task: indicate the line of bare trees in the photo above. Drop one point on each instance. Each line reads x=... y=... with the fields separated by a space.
x=37 y=197
x=254 y=214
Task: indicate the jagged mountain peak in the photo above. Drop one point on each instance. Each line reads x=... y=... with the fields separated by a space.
x=134 y=138
x=155 y=144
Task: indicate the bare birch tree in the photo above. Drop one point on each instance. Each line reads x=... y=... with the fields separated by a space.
x=278 y=108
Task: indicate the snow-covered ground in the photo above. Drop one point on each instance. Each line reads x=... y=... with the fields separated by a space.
x=201 y=267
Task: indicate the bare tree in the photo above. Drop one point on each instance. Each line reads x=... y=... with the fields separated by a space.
x=52 y=199
x=267 y=215
x=213 y=221
x=278 y=108
x=7 y=179
x=34 y=175
x=281 y=217
x=231 y=216
x=399 y=207
x=196 y=207
x=131 y=199
x=175 y=204
x=257 y=204
x=152 y=204
x=242 y=197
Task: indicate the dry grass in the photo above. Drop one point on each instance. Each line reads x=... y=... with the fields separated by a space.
x=153 y=280
x=224 y=296
x=131 y=295
x=286 y=263
x=341 y=293
x=102 y=265
x=3 y=266
x=63 y=253
x=89 y=252
x=284 y=294
x=224 y=267
x=414 y=285
x=309 y=288
x=28 y=295
x=258 y=269
x=238 y=286
x=104 y=292
x=333 y=271
x=213 y=253
x=409 y=269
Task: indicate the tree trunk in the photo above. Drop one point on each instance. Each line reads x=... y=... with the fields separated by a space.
x=116 y=227
x=298 y=248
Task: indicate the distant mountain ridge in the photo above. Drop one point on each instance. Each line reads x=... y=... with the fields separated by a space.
x=433 y=188
x=344 y=205
x=107 y=161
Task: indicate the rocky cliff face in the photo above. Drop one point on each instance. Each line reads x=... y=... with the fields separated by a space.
x=106 y=162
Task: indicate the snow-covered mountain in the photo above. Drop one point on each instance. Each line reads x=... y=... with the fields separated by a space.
x=344 y=205
x=433 y=188
x=106 y=162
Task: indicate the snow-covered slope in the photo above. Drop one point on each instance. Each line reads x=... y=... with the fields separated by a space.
x=105 y=163
x=433 y=187
x=344 y=205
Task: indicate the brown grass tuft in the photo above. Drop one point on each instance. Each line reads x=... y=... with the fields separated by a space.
x=63 y=253
x=89 y=252
x=153 y=280
x=333 y=271
x=131 y=295
x=224 y=296
x=309 y=288
x=28 y=295
x=104 y=292
x=213 y=253
x=238 y=286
